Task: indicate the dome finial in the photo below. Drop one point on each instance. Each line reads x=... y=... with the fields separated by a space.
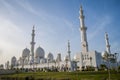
x=26 y=47
x=80 y=7
x=40 y=52
x=33 y=26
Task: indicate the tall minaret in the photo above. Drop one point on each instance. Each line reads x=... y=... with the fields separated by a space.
x=107 y=43
x=83 y=28
x=69 y=55
x=69 y=51
x=32 y=44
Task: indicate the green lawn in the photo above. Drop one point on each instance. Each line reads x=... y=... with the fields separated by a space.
x=62 y=76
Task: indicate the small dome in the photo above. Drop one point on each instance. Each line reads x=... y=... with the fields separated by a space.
x=13 y=60
x=104 y=53
x=66 y=58
x=8 y=62
x=50 y=56
x=77 y=57
x=40 y=52
x=26 y=53
x=20 y=58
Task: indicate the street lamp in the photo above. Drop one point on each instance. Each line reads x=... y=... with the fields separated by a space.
x=17 y=63
x=48 y=62
x=55 y=63
x=107 y=58
x=116 y=56
x=66 y=63
x=23 y=63
x=91 y=61
x=36 y=61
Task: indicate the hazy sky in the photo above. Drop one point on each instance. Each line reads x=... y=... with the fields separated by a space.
x=56 y=22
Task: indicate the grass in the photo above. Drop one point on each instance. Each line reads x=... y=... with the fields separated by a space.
x=63 y=76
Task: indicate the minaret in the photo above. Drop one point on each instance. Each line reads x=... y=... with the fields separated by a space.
x=32 y=44
x=69 y=55
x=83 y=29
x=107 y=43
x=69 y=51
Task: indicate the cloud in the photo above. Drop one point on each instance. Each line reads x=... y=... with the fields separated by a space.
x=69 y=25
x=12 y=35
x=11 y=38
x=45 y=16
x=115 y=47
x=99 y=26
x=49 y=24
x=28 y=7
x=8 y=29
x=7 y=10
x=1 y=51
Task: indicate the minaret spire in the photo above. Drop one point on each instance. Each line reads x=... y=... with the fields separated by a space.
x=69 y=51
x=83 y=28
x=107 y=43
x=33 y=44
x=69 y=55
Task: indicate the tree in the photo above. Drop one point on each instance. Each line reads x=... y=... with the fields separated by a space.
x=103 y=67
x=1 y=66
x=107 y=58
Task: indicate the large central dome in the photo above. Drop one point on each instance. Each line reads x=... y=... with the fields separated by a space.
x=40 y=52
x=50 y=56
x=13 y=61
x=26 y=53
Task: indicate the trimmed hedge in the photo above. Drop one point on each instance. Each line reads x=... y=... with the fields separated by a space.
x=85 y=75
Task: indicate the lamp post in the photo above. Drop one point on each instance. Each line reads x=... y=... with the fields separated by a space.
x=66 y=63
x=91 y=61
x=48 y=63
x=116 y=57
x=108 y=60
x=7 y=64
x=58 y=64
x=55 y=63
x=23 y=63
x=36 y=61
x=17 y=64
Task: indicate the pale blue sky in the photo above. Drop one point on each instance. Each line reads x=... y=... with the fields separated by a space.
x=56 y=22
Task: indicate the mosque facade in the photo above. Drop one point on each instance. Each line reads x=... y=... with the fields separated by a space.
x=36 y=58
x=32 y=59
x=85 y=57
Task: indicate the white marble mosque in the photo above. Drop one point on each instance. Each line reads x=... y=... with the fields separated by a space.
x=37 y=59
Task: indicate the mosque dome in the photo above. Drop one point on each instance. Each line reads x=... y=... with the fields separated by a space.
x=26 y=53
x=66 y=58
x=76 y=57
x=104 y=53
x=13 y=60
x=50 y=56
x=40 y=52
x=20 y=58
